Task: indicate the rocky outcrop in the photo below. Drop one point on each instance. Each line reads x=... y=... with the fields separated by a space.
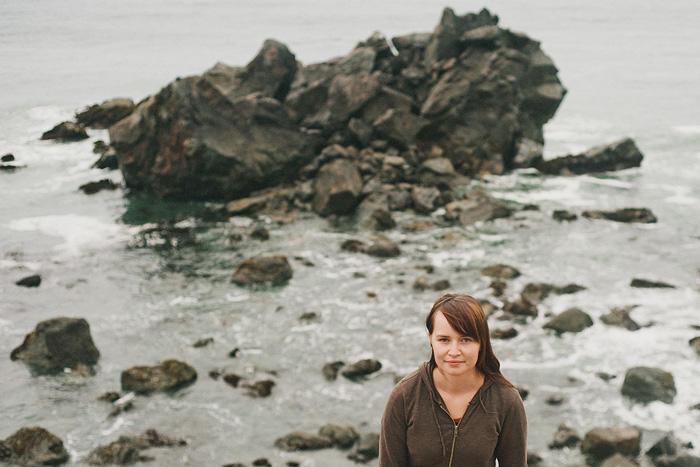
x=33 y=446
x=105 y=114
x=170 y=375
x=470 y=93
x=274 y=270
x=622 y=154
x=56 y=344
x=66 y=132
x=645 y=384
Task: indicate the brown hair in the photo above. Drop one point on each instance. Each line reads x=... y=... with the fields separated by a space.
x=465 y=315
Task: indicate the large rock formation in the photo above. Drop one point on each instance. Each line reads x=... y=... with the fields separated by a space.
x=470 y=92
x=33 y=446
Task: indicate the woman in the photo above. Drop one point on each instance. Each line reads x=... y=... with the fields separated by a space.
x=457 y=409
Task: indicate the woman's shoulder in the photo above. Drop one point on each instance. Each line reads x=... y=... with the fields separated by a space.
x=504 y=393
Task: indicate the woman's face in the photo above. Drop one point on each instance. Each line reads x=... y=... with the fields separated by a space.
x=455 y=355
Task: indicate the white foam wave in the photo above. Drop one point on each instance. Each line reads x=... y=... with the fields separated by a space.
x=687 y=129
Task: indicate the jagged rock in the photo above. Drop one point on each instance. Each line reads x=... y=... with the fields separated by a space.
x=601 y=443
x=268 y=269
x=645 y=384
x=56 y=344
x=501 y=271
x=66 y=132
x=571 y=320
x=337 y=187
x=564 y=437
x=170 y=375
x=220 y=135
x=34 y=446
x=30 y=281
x=299 y=441
x=343 y=436
x=630 y=215
x=648 y=284
x=362 y=369
x=620 y=316
x=618 y=155
x=105 y=114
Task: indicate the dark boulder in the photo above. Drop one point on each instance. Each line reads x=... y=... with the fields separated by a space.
x=622 y=154
x=34 y=446
x=649 y=284
x=56 y=344
x=343 y=436
x=105 y=114
x=645 y=384
x=108 y=160
x=66 y=132
x=338 y=187
x=275 y=270
x=30 y=281
x=300 y=441
x=221 y=135
x=170 y=375
x=601 y=443
x=361 y=369
x=629 y=215
x=571 y=320
x=91 y=188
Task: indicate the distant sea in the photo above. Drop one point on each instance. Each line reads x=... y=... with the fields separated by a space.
x=631 y=69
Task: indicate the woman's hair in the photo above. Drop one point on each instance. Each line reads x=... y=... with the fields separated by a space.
x=465 y=315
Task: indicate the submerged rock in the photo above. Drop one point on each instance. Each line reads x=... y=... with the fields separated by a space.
x=91 y=188
x=30 y=281
x=170 y=375
x=631 y=215
x=33 y=446
x=269 y=269
x=649 y=284
x=56 y=344
x=645 y=384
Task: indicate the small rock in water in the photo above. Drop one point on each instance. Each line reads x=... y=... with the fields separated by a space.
x=29 y=281
x=361 y=369
x=648 y=284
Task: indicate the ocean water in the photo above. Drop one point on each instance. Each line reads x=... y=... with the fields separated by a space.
x=631 y=69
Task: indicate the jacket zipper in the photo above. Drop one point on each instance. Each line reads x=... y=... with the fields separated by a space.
x=454 y=436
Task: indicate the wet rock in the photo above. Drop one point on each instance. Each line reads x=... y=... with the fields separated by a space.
x=203 y=342
x=300 y=441
x=232 y=379
x=383 y=247
x=353 y=246
x=7 y=158
x=478 y=207
x=56 y=344
x=170 y=375
x=260 y=233
x=399 y=127
x=563 y=215
x=629 y=215
x=275 y=270
x=619 y=155
x=30 y=281
x=521 y=307
x=648 y=284
x=536 y=292
x=91 y=188
x=105 y=114
x=695 y=344
x=107 y=160
x=618 y=460
x=127 y=449
x=602 y=443
x=33 y=446
x=620 y=316
x=66 y=132
x=330 y=370
x=534 y=459
x=343 y=436
x=501 y=271
x=571 y=320
x=646 y=384
x=381 y=219
x=367 y=449
x=337 y=187
x=361 y=369
x=110 y=396
x=509 y=333
x=565 y=437
x=260 y=388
